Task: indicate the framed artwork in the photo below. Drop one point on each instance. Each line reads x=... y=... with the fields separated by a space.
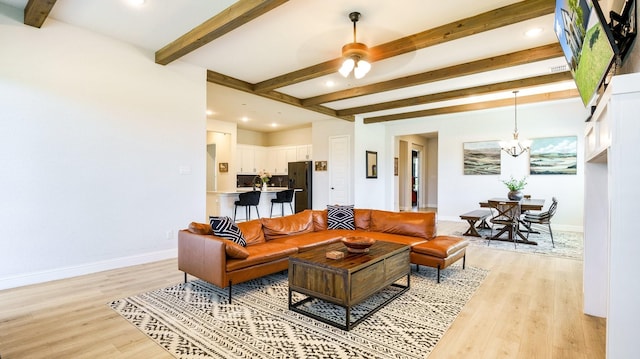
x=372 y=164
x=554 y=156
x=321 y=165
x=395 y=166
x=481 y=158
x=223 y=167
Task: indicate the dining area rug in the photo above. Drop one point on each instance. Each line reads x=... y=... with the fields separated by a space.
x=195 y=320
x=567 y=244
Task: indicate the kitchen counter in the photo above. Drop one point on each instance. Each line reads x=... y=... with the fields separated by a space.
x=220 y=203
x=247 y=189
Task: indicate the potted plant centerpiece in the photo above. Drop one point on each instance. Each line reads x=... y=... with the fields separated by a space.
x=515 y=187
x=265 y=177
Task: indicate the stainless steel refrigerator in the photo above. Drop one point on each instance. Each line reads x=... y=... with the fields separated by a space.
x=300 y=177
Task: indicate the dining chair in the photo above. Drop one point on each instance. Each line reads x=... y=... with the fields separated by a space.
x=283 y=197
x=507 y=214
x=247 y=199
x=542 y=218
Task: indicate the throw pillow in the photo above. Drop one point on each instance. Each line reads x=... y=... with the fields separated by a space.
x=235 y=250
x=340 y=217
x=225 y=227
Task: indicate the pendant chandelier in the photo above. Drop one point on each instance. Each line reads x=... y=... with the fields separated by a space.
x=355 y=55
x=515 y=147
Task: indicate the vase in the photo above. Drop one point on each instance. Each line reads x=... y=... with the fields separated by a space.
x=264 y=186
x=514 y=195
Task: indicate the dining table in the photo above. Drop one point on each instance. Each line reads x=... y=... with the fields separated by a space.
x=526 y=204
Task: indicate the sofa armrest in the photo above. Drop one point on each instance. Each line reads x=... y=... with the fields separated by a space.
x=203 y=256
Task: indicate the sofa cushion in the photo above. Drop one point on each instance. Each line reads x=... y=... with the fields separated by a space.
x=417 y=224
x=441 y=246
x=285 y=226
x=262 y=253
x=234 y=250
x=395 y=238
x=362 y=218
x=320 y=220
x=225 y=227
x=307 y=241
x=252 y=231
x=340 y=217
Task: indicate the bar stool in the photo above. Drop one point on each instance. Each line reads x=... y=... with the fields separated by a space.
x=247 y=199
x=283 y=197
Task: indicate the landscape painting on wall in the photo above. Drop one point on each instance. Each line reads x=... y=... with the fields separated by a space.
x=481 y=158
x=554 y=156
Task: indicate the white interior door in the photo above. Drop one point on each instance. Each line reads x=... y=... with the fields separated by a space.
x=339 y=170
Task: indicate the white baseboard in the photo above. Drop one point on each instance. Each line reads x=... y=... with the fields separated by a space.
x=82 y=269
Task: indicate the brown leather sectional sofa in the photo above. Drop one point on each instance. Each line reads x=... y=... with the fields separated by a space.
x=270 y=241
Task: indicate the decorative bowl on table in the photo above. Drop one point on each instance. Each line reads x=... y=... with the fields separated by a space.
x=358 y=244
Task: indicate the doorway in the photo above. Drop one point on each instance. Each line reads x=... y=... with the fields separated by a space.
x=339 y=175
x=415 y=177
x=417 y=172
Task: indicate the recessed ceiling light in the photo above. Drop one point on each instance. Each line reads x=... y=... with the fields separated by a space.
x=536 y=31
x=330 y=83
x=209 y=112
x=274 y=125
x=245 y=119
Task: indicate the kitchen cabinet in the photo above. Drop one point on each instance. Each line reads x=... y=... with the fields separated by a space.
x=251 y=159
x=275 y=159
x=303 y=153
x=279 y=158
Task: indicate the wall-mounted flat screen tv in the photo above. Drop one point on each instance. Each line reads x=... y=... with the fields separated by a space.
x=587 y=43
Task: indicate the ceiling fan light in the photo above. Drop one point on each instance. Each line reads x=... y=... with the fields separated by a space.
x=347 y=66
x=361 y=69
x=355 y=54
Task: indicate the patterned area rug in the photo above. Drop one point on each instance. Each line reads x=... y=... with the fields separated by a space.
x=194 y=320
x=567 y=244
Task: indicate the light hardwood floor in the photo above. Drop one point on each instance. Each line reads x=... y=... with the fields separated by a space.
x=529 y=306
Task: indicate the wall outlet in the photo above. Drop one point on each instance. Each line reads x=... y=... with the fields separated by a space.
x=170 y=234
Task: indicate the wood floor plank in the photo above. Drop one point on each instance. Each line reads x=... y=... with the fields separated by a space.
x=529 y=306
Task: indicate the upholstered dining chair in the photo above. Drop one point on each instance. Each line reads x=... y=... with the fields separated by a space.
x=283 y=197
x=542 y=218
x=248 y=200
x=506 y=214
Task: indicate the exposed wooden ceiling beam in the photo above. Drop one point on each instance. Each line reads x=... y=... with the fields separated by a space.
x=492 y=63
x=490 y=20
x=457 y=94
x=231 y=18
x=220 y=79
x=551 y=96
x=37 y=11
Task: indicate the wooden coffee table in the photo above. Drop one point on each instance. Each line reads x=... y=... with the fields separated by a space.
x=347 y=281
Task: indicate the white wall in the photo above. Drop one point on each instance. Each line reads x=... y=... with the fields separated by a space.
x=248 y=137
x=321 y=131
x=294 y=137
x=102 y=152
x=458 y=193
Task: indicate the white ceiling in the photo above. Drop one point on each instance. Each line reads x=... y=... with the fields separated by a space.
x=299 y=34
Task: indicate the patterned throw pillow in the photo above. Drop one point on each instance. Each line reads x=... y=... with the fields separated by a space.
x=340 y=217
x=225 y=227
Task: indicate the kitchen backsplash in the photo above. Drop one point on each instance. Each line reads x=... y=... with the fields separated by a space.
x=276 y=181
